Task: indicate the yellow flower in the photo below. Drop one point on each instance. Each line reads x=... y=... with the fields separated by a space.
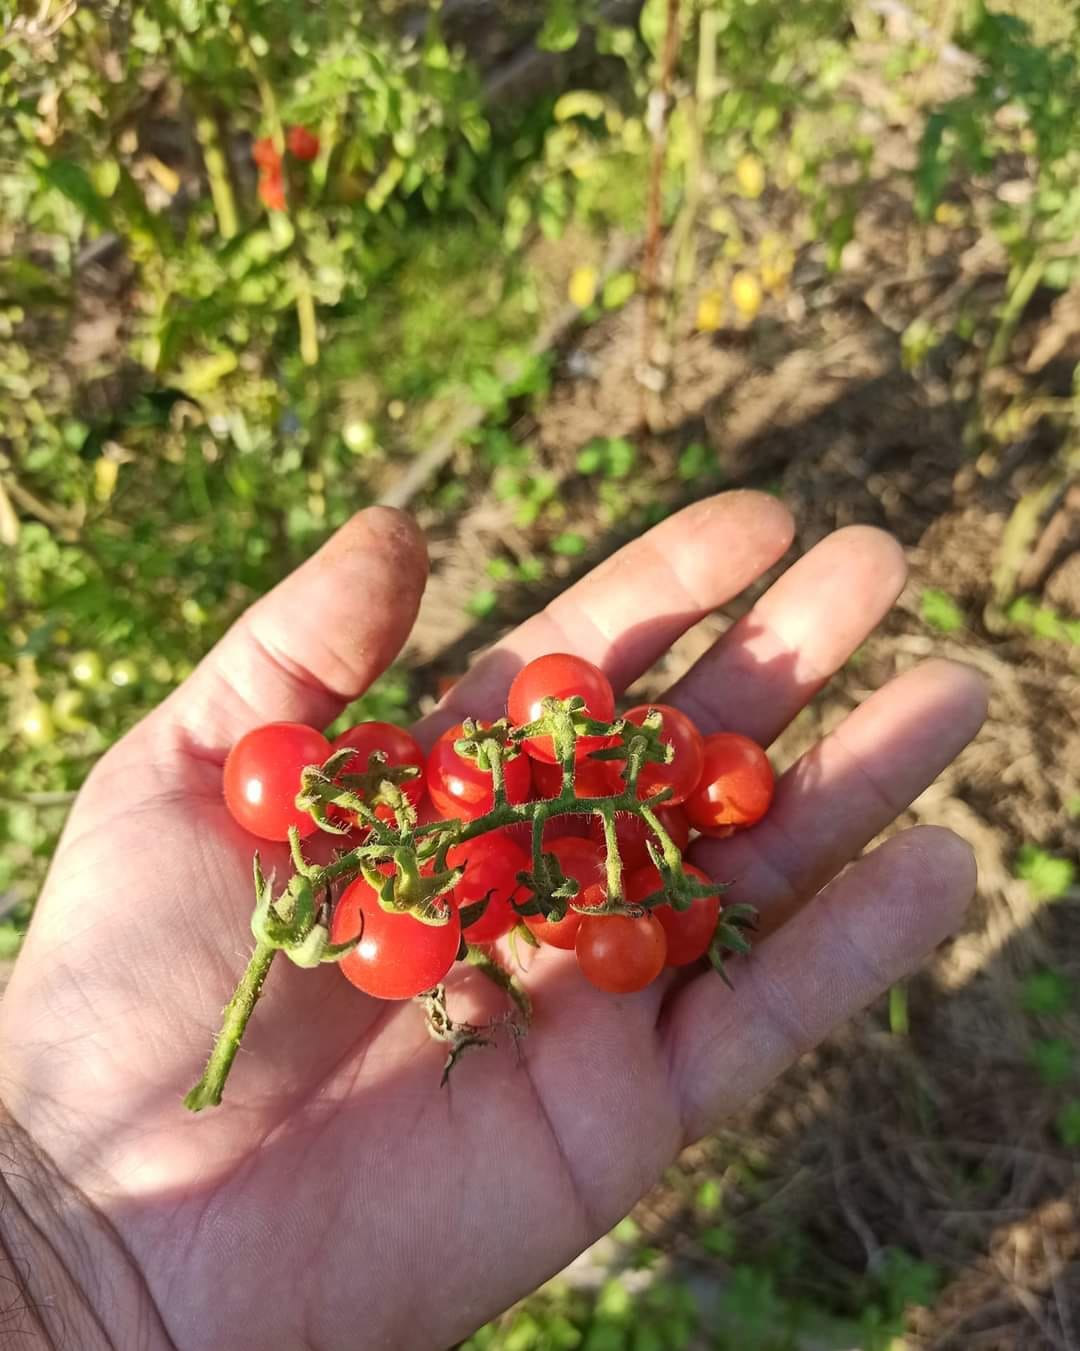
x=710 y=311
x=750 y=176
x=746 y=294
x=582 y=287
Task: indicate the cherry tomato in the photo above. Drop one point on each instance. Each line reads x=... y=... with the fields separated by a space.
x=397 y=956
x=492 y=863
x=460 y=788
x=688 y=932
x=633 y=834
x=736 y=785
x=685 y=769
x=262 y=778
x=272 y=189
x=619 y=954
x=303 y=144
x=86 y=668
x=560 y=676
x=584 y=862
x=398 y=747
x=592 y=778
x=265 y=154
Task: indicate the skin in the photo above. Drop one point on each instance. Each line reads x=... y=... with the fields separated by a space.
x=325 y=1205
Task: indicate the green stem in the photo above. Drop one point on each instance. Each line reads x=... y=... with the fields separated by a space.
x=504 y=979
x=217 y=173
x=207 y=1092
x=1011 y=314
x=305 y=317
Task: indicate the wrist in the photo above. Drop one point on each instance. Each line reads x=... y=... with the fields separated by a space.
x=67 y=1278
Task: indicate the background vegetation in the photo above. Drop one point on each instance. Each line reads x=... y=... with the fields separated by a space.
x=550 y=275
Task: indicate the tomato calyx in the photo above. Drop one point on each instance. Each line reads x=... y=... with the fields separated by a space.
x=294 y=923
x=356 y=793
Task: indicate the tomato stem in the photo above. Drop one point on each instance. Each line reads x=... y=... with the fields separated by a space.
x=207 y=1092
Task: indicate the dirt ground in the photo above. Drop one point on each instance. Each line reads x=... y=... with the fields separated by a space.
x=941 y=1141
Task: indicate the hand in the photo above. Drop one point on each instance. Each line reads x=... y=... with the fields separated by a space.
x=340 y=1197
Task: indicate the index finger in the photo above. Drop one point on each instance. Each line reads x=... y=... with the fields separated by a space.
x=628 y=611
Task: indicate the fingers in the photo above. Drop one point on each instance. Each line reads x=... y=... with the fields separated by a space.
x=848 y=788
x=629 y=610
x=776 y=658
x=866 y=930
x=314 y=642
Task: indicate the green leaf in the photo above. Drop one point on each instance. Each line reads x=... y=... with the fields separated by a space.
x=1046 y=992
x=482 y=603
x=1067 y=1123
x=1053 y=1060
x=569 y=543
x=73 y=182
x=709 y=1196
x=940 y=611
x=1047 y=877
x=720 y=1239
x=561 y=28
x=618 y=290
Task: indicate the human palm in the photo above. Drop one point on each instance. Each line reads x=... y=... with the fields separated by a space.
x=341 y=1198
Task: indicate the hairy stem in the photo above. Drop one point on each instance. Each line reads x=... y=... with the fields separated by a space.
x=207 y=1092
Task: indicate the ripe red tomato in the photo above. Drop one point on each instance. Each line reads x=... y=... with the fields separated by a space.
x=685 y=769
x=633 y=834
x=262 y=778
x=584 y=862
x=460 y=788
x=688 y=932
x=492 y=863
x=303 y=144
x=397 y=956
x=592 y=778
x=265 y=154
x=398 y=747
x=272 y=189
x=559 y=676
x=618 y=954
x=735 y=788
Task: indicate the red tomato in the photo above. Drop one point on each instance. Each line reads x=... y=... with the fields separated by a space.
x=303 y=144
x=736 y=785
x=459 y=788
x=559 y=676
x=399 y=749
x=492 y=863
x=618 y=954
x=584 y=862
x=397 y=956
x=592 y=778
x=689 y=932
x=272 y=189
x=685 y=769
x=262 y=778
x=633 y=834
x=265 y=154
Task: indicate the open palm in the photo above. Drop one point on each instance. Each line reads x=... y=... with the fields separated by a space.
x=340 y=1198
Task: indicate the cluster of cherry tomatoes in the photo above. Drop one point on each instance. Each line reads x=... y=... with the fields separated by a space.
x=714 y=785
x=301 y=144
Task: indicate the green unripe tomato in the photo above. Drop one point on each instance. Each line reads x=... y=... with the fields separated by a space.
x=35 y=726
x=122 y=673
x=86 y=668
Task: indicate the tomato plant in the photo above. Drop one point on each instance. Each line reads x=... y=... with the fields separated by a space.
x=397 y=956
x=262 y=778
x=689 y=932
x=492 y=863
x=736 y=785
x=682 y=774
x=619 y=954
x=458 y=786
x=559 y=675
